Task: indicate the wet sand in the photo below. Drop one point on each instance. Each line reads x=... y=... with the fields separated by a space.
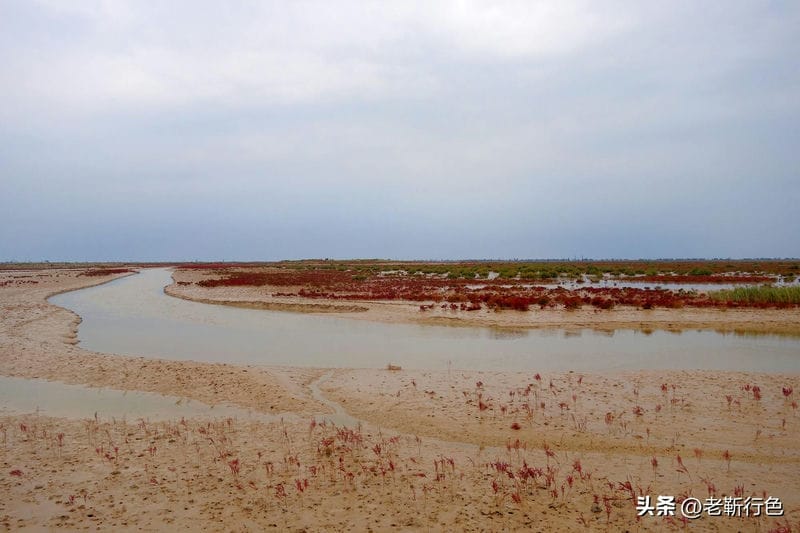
x=434 y=451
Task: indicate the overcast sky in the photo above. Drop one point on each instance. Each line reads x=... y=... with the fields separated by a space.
x=255 y=130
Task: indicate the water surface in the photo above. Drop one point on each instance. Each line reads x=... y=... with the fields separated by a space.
x=133 y=316
x=52 y=398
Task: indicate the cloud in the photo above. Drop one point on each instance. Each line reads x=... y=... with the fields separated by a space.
x=476 y=128
x=144 y=54
x=524 y=29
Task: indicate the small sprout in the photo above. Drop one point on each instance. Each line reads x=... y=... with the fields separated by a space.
x=726 y=455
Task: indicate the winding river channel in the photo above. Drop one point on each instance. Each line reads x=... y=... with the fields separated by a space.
x=133 y=316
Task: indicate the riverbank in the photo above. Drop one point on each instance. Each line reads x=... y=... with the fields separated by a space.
x=740 y=320
x=436 y=449
x=39 y=339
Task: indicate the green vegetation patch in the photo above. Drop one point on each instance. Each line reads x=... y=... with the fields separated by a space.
x=758 y=295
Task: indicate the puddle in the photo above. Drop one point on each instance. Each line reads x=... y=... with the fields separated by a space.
x=62 y=400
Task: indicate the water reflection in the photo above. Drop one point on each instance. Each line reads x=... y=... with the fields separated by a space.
x=503 y=333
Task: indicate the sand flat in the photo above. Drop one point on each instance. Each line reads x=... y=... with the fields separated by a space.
x=434 y=451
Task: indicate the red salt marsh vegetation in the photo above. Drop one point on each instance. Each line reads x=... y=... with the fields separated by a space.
x=677 y=270
x=481 y=451
x=435 y=450
x=97 y=272
x=537 y=469
x=517 y=285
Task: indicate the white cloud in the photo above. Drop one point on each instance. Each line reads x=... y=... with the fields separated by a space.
x=443 y=107
x=524 y=29
x=116 y=54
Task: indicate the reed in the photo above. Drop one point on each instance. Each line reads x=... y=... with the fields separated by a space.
x=758 y=295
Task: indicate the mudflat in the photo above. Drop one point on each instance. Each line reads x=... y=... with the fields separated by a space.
x=422 y=450
x=189 y=284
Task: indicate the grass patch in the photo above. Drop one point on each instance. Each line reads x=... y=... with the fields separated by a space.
x=758 y=295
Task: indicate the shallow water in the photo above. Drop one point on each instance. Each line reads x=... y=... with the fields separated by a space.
x=631 y=283
x=52 y=398
x=339 y=417
x=133 y=316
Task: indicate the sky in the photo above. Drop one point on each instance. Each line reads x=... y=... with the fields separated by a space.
x=194 y=130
